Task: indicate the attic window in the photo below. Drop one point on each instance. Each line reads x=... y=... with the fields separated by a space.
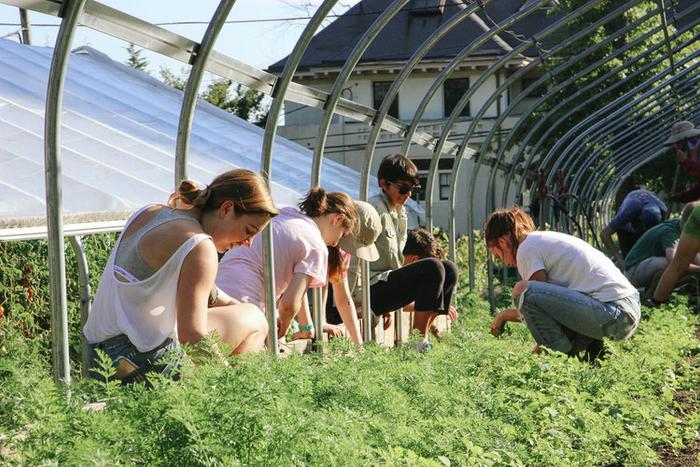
x=426 y=7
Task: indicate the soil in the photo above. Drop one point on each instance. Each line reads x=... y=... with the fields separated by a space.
x=689 y=401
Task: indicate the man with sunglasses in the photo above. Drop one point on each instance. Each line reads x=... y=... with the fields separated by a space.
x=684 y=140
x=427 y=283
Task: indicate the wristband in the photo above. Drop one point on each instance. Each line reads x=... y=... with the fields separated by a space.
x=306 y=327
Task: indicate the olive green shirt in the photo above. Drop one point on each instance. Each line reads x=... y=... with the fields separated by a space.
x=391 y=241
x=389 y=244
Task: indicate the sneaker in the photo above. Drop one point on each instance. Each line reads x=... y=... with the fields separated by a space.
x=424 y=346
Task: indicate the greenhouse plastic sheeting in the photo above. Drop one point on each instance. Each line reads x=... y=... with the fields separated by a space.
x=119 y=128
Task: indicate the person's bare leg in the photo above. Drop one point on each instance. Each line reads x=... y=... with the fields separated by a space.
x=243 y=327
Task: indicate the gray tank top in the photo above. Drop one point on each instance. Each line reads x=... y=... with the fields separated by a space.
x=128 y=260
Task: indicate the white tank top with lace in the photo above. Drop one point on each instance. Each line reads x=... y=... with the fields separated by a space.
x=144 y=310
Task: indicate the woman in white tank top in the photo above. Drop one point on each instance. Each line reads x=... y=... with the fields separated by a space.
x=157 y=289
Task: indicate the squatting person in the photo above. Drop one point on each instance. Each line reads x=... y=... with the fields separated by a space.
x=571 y=295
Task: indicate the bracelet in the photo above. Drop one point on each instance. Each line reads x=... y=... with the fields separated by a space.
x=306 y=327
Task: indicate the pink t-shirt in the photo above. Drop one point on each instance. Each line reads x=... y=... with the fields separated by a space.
x=298 y=248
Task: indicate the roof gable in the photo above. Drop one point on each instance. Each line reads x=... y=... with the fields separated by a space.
x=402 y=36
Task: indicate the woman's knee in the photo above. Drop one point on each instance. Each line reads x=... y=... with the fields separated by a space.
x=255 y=318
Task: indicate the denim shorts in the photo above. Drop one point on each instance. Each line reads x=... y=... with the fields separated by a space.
x=162 y=359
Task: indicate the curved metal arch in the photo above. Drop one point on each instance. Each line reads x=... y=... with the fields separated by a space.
x=459 y=107
x=462 y=148
x=405 y=72
x=631 y=157
x=632 y=152
x=322 y=135
x=504 y=146
x=500 y=119
x=595 y=185
x=628 y=106
x=535 y=148
x=605 y=199
x=345 y=72
x=448 y=69
x=200 y=56
x=70 y=15
x=580 y=133
x=563 y=103
x=278 y=96
x=575 y=109
x=644 y=120
x=620 y=111
x=559 y=69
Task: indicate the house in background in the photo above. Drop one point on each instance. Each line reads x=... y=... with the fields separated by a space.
x=383 y=61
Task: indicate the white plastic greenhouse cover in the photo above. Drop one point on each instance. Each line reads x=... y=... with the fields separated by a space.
x=118 y=141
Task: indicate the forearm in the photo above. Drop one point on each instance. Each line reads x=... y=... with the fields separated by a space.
x=687 y=250
x=668 y=280
x=511 y=315
x=348 y=314
x=287 y=312
x=606 y=237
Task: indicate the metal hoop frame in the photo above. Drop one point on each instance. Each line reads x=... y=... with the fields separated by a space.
x=598 y=140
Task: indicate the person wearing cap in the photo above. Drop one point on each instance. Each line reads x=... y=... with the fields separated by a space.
x=427 y=283
x=684 y=141
x=639 y=211
x=655 y=250
x=340 y=305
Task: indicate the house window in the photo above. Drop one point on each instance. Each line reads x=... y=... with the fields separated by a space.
x=539 y=91
x=445 y=182
x=452 y=91
x=379 y=90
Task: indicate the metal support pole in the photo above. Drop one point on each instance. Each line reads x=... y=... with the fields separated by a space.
x=85 y=299
x=200 y=56
x=366 y=308
x=54 y=191
x=278 y=94
x=26 y=26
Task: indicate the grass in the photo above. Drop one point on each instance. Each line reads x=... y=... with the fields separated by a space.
x=472 y=400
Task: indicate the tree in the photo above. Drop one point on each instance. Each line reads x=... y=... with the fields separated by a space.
x=597 y=94
x=173 y=80
x=136 y=60
x=243 y=102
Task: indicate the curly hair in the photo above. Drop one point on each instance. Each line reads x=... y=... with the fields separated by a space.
x=421 y=243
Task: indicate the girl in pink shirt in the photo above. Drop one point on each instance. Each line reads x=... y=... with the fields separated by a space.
x=300 y=238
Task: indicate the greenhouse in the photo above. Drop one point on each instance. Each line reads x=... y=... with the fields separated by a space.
x=549 y=116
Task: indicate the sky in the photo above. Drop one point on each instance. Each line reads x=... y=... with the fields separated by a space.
x=259 y=40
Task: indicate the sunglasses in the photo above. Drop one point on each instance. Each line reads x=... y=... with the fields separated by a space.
x=404 y=188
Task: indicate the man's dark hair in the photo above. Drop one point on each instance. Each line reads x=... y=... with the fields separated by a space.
x=398 y=168
x=421 y=243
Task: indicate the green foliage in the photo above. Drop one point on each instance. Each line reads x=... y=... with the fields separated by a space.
x=472 y=400
x=243 y=102
x=136 y=60
x=607 y=82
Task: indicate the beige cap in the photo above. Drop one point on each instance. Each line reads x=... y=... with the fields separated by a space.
x=680 y=131
x=362 y=243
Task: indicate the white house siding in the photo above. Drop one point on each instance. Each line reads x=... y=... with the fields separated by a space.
x=347 y=139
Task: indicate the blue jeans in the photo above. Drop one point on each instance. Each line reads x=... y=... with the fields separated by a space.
x=566 y=320
x=161 y=359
